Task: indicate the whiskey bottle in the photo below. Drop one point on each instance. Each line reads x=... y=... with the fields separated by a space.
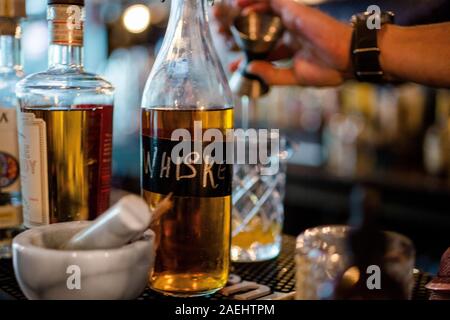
x=65 y=128
x=187 y=89
x=11 y=11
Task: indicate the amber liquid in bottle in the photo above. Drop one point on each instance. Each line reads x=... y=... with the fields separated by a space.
x=193 y=239
x=79 y=149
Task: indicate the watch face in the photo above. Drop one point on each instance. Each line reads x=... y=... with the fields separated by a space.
x=387 y=17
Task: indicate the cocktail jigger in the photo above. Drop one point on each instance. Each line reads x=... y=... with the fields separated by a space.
x=255 y=34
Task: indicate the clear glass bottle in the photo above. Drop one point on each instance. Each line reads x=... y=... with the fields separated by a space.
x=10 y=73
x=65 y=127
x=187 y=84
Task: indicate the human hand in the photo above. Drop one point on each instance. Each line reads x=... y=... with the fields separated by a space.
x=318 y=43
x=226 y=11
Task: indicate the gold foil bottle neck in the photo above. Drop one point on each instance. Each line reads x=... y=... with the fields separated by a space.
x=12 y=8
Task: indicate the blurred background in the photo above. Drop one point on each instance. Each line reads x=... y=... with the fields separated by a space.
x=394 y=137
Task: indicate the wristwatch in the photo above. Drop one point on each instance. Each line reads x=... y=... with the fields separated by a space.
x=364 y=49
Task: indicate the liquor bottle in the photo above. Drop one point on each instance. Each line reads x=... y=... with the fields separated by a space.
x=436 y=144
x=187 y=89
x=11 y=11
x=65 y=128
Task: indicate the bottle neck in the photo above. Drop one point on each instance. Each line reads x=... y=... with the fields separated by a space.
x=188 y=17
x=66 y=26
x=189 y=8
x=60 y=56
x=10 y=51
x=188 y=62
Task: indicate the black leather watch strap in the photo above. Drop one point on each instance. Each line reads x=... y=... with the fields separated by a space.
x=365 y=51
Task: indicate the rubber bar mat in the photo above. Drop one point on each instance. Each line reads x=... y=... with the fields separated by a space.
x=278 y=274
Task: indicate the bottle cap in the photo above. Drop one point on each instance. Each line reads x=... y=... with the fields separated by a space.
x=67 y=2
x=12 y=9
x=66 y=19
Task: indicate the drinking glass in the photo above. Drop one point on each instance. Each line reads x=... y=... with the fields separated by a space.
x=258 y=211
x=322 y=256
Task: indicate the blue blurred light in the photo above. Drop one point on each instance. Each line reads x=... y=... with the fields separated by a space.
x=35 y=45
x=36 y=7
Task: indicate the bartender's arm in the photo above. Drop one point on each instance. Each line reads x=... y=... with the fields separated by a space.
x=320 y=46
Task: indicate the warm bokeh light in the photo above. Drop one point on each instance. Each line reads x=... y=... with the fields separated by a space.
x=136 y=18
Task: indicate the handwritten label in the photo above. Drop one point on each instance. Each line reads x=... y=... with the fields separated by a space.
x=186 y=178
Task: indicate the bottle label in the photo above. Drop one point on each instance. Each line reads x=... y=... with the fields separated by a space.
x=9 y=151
x=10 y=216
x=33 y=163
x=67 y=24
x=160 y=174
